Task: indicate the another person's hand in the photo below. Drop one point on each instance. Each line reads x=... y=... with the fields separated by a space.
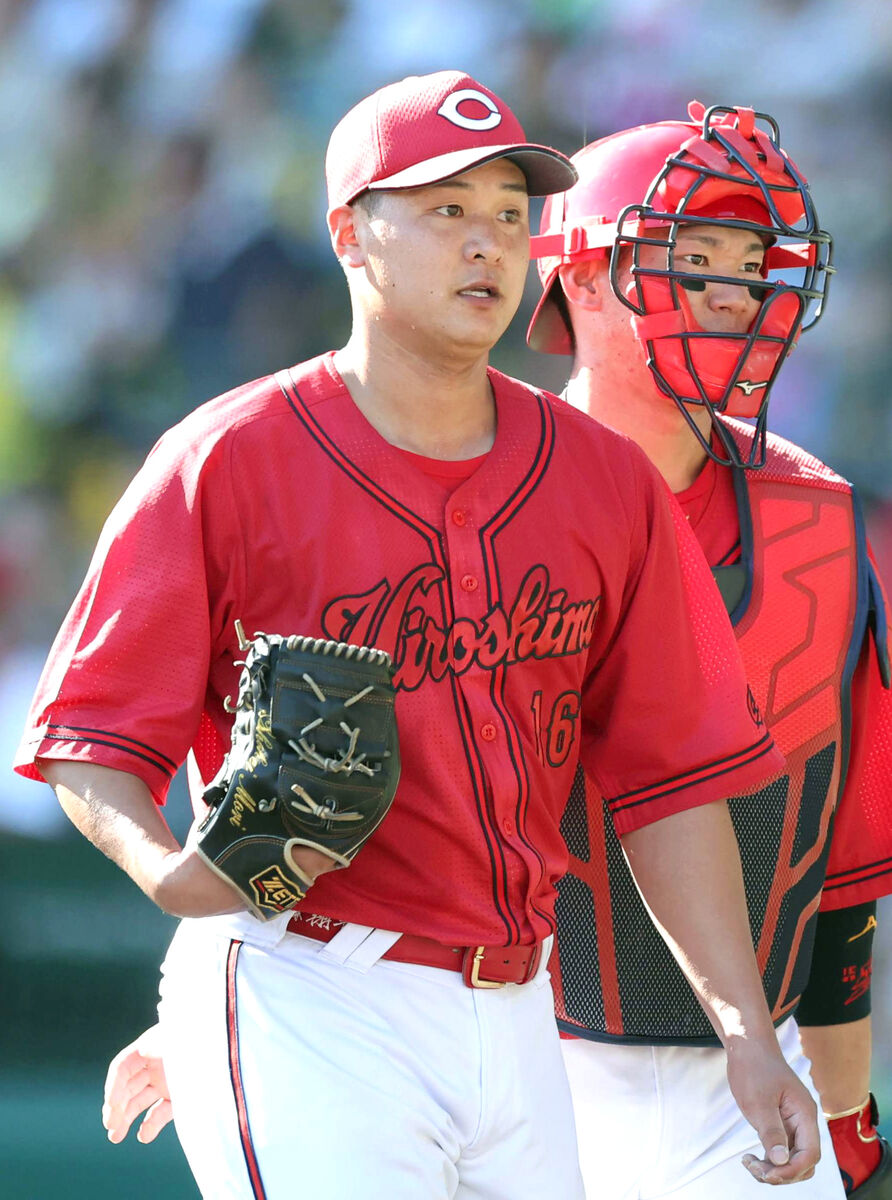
x=780 y=1109
x=135 y=1084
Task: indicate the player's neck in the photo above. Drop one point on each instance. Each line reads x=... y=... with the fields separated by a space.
x=440 y=409
x=633 y=407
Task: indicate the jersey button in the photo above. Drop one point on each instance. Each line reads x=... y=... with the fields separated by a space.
x=469 y=583
x=508 y=827
x=489 y=733
x=459 y=516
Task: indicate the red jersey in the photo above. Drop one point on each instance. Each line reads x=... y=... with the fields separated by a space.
x=788 y=549
x=552 y=607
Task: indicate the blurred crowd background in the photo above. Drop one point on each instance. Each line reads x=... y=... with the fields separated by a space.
x=162 y=239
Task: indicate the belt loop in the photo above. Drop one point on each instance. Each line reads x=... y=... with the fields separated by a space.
x=369 y=951
x=346 y=942
x=533 y=964
x=545 y=948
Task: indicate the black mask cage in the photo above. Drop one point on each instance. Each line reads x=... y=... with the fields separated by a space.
x=727 y=373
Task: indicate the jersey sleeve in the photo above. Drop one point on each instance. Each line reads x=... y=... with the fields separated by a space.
x=672 y=723
x=860 y=864
x=125 y=681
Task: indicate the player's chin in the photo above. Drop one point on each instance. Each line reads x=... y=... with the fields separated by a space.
x=483 y=326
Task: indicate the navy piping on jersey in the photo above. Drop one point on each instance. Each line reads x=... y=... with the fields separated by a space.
x=841 y=879
x=743 y=758
x=235 y=1074
x=731 y=556
x=488 y=534
x=486 y=815
x=68 y=730
x=123 y=738
x=435 y=543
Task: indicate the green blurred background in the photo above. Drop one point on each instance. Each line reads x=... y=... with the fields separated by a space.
x=162 y=239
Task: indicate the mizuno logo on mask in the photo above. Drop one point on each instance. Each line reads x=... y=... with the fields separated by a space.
x=748 y=386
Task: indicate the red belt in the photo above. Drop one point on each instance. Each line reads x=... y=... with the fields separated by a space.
x=480 y=966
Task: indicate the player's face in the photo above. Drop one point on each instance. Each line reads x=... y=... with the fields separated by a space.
x=716 y=250
x=445 y=264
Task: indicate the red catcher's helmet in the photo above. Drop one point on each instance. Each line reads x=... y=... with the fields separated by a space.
x=639 y=187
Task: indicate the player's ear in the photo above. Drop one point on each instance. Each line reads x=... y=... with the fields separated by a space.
x=584 y=283
x=344 y=226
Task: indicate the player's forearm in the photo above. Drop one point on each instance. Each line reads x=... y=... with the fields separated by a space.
x=840 y=1058
x=116 y=812
x=687 y=868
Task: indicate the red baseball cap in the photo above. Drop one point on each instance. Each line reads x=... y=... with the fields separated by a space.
x=430 y=127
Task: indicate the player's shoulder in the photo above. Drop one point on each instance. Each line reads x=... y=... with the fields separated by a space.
x=785 y=462
x=211 y=429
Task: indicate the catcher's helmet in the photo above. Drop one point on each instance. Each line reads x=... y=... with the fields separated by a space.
x=639 y=187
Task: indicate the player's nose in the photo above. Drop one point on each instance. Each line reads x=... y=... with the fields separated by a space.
x=730 y=298
x=483 y=242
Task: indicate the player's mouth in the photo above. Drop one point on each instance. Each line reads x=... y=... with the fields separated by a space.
x=481 y=291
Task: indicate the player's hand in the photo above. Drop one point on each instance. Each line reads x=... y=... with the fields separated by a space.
x=135 y=1083
x=780 y=1109
x=188 y=887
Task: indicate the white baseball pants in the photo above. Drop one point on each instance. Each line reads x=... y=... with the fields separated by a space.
x=305 y=1068
x=672 y=1126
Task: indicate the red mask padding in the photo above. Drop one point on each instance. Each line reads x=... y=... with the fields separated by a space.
x=727 y=369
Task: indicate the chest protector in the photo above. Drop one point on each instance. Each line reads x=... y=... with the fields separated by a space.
x=799 y=600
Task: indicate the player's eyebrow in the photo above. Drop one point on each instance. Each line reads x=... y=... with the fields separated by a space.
x=709 y=240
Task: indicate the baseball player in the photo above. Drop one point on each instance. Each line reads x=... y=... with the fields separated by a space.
x=392 y=1035
x=679 y=272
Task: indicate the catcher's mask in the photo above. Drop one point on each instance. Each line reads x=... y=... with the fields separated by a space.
x=639 y=188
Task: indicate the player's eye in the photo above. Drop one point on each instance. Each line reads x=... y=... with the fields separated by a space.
x=449 y=210
x=512 y=215
x=752 y=268
x=694 y=260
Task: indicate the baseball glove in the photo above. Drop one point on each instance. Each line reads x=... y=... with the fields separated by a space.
x=314 y=761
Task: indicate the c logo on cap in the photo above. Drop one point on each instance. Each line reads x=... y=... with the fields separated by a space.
x=449 y=110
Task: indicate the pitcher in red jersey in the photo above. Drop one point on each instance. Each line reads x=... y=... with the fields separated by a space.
x=680 y=272
x=393 y=1036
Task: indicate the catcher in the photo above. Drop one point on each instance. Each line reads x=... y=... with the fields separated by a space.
x=679 y=272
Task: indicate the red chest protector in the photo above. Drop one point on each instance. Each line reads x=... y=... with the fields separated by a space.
x=799 y=600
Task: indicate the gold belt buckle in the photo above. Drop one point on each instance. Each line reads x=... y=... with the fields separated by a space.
x=473 y=976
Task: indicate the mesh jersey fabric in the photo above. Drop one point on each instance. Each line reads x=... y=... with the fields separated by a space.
x=527 y=616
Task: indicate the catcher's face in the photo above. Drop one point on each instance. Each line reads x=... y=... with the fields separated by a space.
x=444 y=265
x=737 y=254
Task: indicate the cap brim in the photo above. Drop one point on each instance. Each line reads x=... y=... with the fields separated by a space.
x=546 y=170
